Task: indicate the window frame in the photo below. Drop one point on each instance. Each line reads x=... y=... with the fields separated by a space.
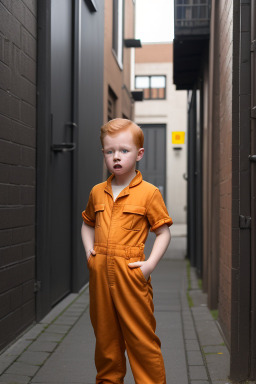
x=118 y=31
x=150 y=88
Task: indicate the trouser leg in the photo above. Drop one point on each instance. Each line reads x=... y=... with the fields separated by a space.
x=133 y=298
x=110 y=346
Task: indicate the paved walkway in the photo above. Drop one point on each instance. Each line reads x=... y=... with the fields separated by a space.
x=59 y=349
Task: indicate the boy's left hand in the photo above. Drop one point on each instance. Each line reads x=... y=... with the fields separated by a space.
x=145 y=266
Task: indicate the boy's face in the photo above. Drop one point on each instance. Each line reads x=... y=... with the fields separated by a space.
x=120 y=153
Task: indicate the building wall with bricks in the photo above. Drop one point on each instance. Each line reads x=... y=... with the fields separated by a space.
x=225 y=162
x=117 y=75
x=17 y=166
x=218 y=171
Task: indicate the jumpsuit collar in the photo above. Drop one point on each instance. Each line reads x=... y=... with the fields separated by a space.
x=135 y=181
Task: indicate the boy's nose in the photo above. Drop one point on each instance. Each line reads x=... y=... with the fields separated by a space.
x=116 y=155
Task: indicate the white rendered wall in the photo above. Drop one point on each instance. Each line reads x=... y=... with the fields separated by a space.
x=173 y=113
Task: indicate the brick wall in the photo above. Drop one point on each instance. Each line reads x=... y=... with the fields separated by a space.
x=114 y=77
x=225 y=162
x=17 y=166
x=154 y=53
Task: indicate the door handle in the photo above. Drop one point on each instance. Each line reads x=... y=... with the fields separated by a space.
x=63 y=147
x=252 y=158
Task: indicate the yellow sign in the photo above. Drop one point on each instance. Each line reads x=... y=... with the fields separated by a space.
x=178 y=137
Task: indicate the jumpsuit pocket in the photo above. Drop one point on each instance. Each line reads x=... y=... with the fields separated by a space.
x=132 y=217
x=98 y=209
x=142 y=277
x=137 y=272
x=89 y=260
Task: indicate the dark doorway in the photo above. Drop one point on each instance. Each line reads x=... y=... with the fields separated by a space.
x=253 y=194
x=55 y=151
x=62 y=146
x=153 y=163
x=69 y=113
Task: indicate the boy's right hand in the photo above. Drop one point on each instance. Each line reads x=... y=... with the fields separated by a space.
x=90 y=252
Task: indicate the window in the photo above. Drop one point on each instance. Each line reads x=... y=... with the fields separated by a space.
x=118 y=30
x=154 y=87
x=111 y=104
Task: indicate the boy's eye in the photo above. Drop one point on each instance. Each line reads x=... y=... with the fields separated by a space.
x=124 y=151
x=108 y=152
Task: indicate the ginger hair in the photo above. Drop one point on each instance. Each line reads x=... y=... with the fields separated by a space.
x=112 y=127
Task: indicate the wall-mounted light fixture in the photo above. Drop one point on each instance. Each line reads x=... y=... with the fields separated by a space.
x=91 y=5
x=132 y=43
x=137 y=95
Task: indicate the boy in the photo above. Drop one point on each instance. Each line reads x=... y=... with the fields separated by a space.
x=117 y=219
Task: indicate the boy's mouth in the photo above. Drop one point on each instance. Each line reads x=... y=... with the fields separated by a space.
x=117 y=166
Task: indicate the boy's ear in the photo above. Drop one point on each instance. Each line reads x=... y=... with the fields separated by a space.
x=140 y=154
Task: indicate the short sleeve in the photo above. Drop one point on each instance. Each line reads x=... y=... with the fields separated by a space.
x=88 y=214
x=157 y=213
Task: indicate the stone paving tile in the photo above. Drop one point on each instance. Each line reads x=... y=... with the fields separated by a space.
x=34 y=332
x=189 y=327
x=66 y=320
x=190 y=334
x=192 y=345
x=71 y=313
x=48 y=336
x=229 y=382
x=214 y=349
x=15 y=350
x=4 y=365
x=195 y=358
x=187 y=317
x=84 y=299
x=197 y=372
x=42 y=346
x=36 y=358
x=77 y=306
x=199 y=298
x=58 y=328
x=19 y=368
x=218 y=366
x=202 y=314
x=11 y=354
x=14 y=379
x=199 y=382
x=208 y=333
x=58 y=309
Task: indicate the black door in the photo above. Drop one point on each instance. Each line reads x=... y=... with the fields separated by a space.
x=61 y=149
x=153 y=163
x=253 y=193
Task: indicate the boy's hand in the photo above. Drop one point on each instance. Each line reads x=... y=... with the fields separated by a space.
x=90 y=252
x=145 y=266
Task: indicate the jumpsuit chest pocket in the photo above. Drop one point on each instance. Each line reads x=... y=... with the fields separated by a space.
x=132 y=217
x=98 y=209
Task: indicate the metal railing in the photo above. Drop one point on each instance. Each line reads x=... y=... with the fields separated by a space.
x=191 y=13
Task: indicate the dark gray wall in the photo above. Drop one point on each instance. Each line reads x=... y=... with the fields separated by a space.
x=21 y=61
x=17 y=166
x=87 y=112
x=90 y=118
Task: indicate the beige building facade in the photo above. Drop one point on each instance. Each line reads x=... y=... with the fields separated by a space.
x=164 y=107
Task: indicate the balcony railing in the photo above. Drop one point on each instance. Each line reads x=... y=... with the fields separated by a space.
x=192 y=17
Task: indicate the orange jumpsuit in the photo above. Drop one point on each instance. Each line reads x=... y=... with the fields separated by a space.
x=121 y=299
